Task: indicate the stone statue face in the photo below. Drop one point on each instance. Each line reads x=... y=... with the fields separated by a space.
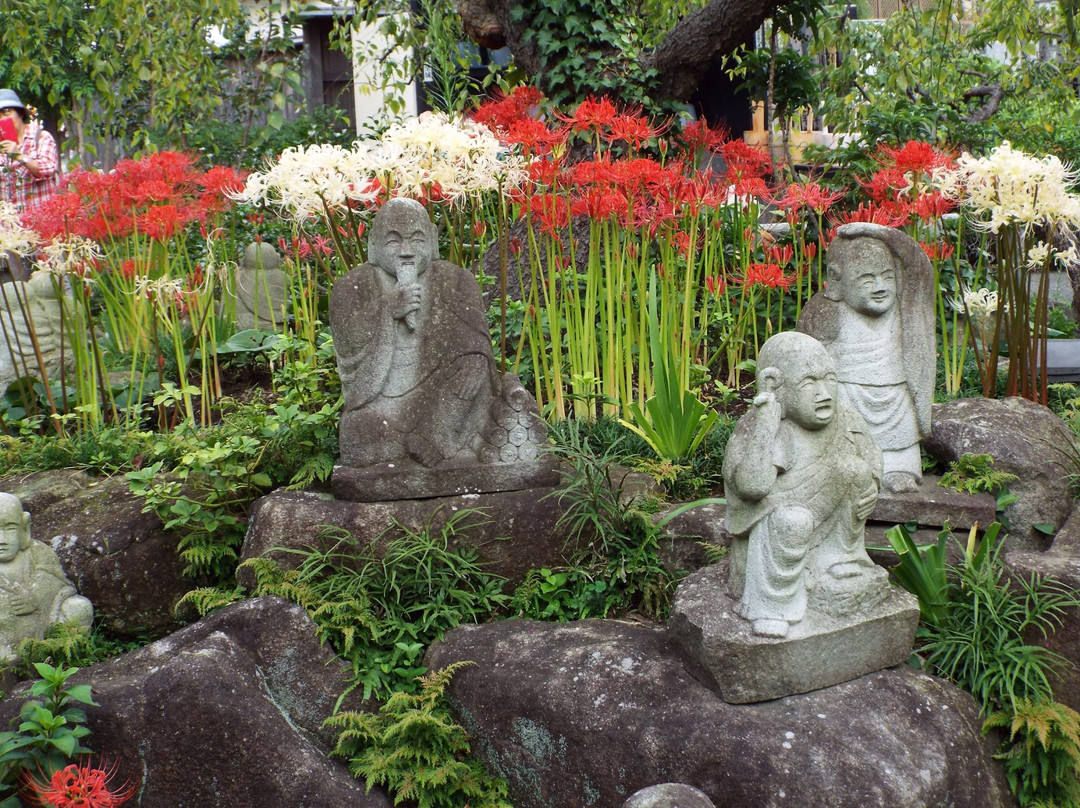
x=809 y=392
x=403 y=240
x=12 y=528
x=868 y=278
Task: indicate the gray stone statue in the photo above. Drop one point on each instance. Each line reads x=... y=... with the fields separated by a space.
x=801 y=475
x=34 y=593
x=260 y=295
x=876 y=318
x=30 y=308
x=418 y=376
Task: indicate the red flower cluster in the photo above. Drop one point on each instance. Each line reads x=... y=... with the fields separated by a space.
x=79 y=787
x=770 y=275
x=157 y=196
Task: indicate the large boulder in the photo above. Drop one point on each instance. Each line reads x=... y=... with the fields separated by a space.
x=586 y=714
x=511 y=531
x=119 y=557
x=226 y=712
x=1024 y=439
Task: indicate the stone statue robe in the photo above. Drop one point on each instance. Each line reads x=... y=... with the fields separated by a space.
x=401 y=383
x=827 y=487
x=34 y=576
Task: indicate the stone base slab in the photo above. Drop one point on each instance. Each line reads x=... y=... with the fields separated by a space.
x=819 y=651
x=384 y=482
x=932 y=506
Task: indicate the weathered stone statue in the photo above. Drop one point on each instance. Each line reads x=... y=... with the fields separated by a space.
x=418 y=375
x=876 y=317
x=34 y=593
x=260 y=289
x=801 y=476
x=798 y=605
x=29 y=308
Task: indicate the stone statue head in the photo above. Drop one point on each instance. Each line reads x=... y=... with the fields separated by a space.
x=403 y=238
x=260 y=255
x=14 y=528
x=863 y=270
x=802 y=375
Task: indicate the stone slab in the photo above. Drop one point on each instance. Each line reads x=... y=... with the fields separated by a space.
x=384 y=482
x=931 y=505
x=819 y=651
x=1063 y=360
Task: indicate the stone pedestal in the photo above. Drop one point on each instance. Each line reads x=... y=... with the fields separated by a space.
x=819 y=651
x=384 y=482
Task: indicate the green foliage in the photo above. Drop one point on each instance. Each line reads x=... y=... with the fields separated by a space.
x=50 y=730
x=382 y=604
x=413 y=747
x=974 y=474
x=66 y=644
x=614 y=545
x=980 y=640
x=673 y=421
x=1042 y=755
x=922 y=571
x=794 y=78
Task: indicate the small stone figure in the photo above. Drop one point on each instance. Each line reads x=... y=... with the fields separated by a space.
x=414 y=356
x=801 y=475
x=30 y=307
x=260 y=289
x=876 y=318
x=34 y=593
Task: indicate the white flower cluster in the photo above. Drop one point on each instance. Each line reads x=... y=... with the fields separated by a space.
x=13 y=236
x=433 y=155
x=74 y=254
x=1009 y=187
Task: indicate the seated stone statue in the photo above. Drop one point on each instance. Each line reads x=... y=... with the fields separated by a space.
x=260 y=289
x=876 y=317
x=29 y=307
x=801 y=475
x=414 y=355
x=34 y=593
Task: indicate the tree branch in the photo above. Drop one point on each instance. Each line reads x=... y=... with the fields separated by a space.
x=994 y=95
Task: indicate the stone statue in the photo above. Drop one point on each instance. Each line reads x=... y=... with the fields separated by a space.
x=876 y=318
x=29 y=307
x=34 y=593
x=414 y=355
x=260 y=294
x=801 y=475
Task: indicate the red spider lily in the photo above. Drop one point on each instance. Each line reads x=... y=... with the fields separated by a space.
x=591 y=172
x=914 y=156
x=546 y=172
x=128 y=270
x=162 y=222
x=298 y=247
x=323 y=245
x=515 y=246
x=750 y=187
x=811 y=195
x=932 y=206
x=502 y=111
x=551 y=211
x=770 y=275
x=716 y=285
x=633 y=128
x=598 y=204
x=885 y=184
x=938 y=252
x=196 y=279
x=592 y=113
x=780 y=255
x=79 y=787
x=744 y=160
x=697 y=135
x=221 y=180
x=533 y=136
x=810 y=250
x=890 y=215
x=479 y=228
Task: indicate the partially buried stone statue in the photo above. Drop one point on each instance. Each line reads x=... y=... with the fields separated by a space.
x=419 y=379
x=260 y=289
x=876 y=317
x=30 y=310
x=801 y=475
x=34 y=593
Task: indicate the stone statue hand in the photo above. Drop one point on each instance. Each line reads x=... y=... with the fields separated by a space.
x=404 y=300
x=470 y=376
x=767 y=403
x=864 y=505
x=22 y=604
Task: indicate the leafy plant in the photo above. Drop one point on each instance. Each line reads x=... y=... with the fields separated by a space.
x=1042 y=755
x=50 y=730
x=922 y=570
x=414 y=748
x=974 y=474
x=382 y=604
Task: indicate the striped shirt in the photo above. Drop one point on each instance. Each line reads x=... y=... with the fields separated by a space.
x=17 y=184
